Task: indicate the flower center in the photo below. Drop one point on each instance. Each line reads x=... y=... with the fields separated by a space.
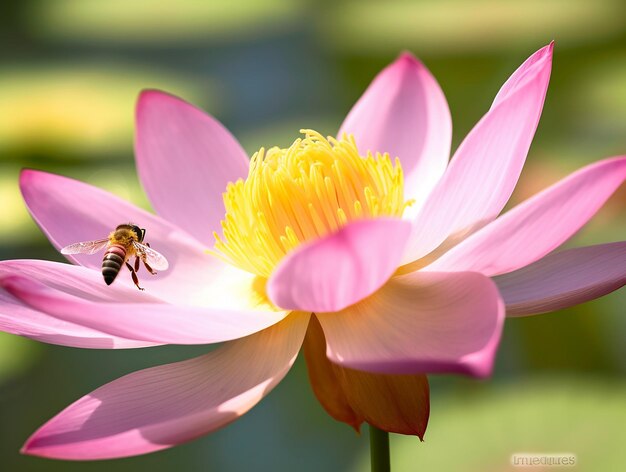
x=302 y=193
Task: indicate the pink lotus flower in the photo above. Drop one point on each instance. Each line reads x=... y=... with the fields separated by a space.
x=378 y=300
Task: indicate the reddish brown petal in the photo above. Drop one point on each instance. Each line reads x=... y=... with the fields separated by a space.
x=394 y=403
x=323 y=377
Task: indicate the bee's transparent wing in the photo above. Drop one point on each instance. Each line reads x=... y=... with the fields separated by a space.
x=86 y=247
x=154 y=259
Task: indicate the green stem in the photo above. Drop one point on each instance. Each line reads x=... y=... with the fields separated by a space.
x=379 y=450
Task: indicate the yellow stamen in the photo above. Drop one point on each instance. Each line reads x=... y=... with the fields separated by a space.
x=302 y=193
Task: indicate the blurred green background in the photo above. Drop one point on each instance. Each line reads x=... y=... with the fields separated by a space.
x=70 y=71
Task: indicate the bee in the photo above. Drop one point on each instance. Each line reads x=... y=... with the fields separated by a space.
x=122 y=244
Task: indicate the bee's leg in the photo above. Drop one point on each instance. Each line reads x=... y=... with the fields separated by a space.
x=150 y=269
x=134 y=275
x=137 y=264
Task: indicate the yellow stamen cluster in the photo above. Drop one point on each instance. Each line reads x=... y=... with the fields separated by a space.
x=298 y=194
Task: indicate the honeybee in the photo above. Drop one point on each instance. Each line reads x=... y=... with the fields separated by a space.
x=122 y=244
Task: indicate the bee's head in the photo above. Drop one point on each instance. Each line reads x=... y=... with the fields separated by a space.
x=139 y=232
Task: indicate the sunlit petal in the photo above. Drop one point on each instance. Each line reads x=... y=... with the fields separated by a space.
x=149 y=320
x=69 y=211
x=538 y=225
x=336 y=271
x=171 y=404
x=564 y=279
x=484 y=170
x=420 y=323
x=185 y=158
x=404 y=113
x=18 y=318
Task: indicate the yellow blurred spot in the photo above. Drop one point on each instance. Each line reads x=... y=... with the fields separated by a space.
x=83 y=110
x=15 y=222
x=145 y=21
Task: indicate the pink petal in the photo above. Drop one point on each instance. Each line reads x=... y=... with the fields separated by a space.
x=70 y=211
x=538 y=225
x=74 y=280
x=160 y=407
x=564 y=279
x=522 y=73
x=485 y=168
x=336 y=271
x=17 y=318
x=420 y=323
x=185 y=158
x=404 y=113
x=149 y=321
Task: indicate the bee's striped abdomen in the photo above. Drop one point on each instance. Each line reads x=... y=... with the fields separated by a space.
x=114 y=257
